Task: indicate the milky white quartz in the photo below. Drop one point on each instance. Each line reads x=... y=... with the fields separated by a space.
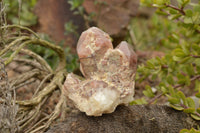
x=109 y=74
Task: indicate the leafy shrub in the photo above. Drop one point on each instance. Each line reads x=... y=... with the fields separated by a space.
x=51 y=57
x=176 y=31
x=21 y=10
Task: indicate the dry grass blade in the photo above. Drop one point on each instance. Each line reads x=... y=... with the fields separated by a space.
x=30 y=111
x=27 y=115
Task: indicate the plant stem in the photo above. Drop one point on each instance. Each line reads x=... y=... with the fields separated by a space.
x=20 y=27
x=176 y=86
x=195 y=56
x=176 y=8
x=156 y=97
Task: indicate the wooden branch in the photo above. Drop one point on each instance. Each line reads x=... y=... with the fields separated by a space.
x=132 y=119
x=58 y=78
x=20 y=27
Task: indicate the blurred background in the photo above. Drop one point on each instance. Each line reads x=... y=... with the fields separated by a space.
x=154 y=28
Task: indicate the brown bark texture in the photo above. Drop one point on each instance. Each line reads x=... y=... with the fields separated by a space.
x=131 y=119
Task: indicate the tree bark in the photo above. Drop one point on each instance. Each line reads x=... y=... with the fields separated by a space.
x=132 y=119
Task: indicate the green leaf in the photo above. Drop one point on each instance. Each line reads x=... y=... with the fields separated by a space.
x=185 y=49
x=150 y=64
x=184 y=131
x=185 y=2
x=190 y=70
x=197 y=85
x=176 y=16
x=170 y=79
x=139 y=102
x=188 y=13
x=197 y=94
x=154 y=76
x=70 y=28
x=182 y=96
x=196 y=48
x=164 y=89
x=173 y=11
x=146 y=2
x=190 y=102
x=196 y=8
x=181 y=79
x=198 y=110
x=195 y=117
x=160 y=2
x=175 y=37
x=185 y=60
x=158 y=5
x=189 y=110
x=148 y=92
x=161 y=12
x=176 y=107
x=174 y=100
x=188 y=20
x=179 y=52
x=176 y=58
x=172 y=92
x=192 y=130
x=75 y=4
x=180 y=2
x=187 y=80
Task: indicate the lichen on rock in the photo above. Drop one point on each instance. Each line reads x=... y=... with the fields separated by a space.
x=109 y=74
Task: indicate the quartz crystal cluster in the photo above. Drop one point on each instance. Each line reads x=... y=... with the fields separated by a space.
x=109 y=74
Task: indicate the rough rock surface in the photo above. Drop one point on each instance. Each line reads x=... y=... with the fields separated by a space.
x=132 y=119
x=109 y=74
x=52 y=16
x=112 y=16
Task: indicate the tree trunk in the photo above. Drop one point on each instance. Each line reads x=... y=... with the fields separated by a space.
x=132 y=119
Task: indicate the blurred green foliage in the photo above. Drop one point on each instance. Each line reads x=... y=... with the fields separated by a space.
x=21 y=12
x=26 y=17
x=174 y=30
x=76 y=6
x=189 y=131
x=78 y=9
x=154 y=33
x=70 y=28
x=51 y=57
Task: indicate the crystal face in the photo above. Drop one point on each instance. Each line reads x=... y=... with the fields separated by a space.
x=109 y=74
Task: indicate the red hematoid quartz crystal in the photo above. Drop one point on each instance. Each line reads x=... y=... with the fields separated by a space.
x=109 y=74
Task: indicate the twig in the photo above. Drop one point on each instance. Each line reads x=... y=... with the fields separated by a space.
x=20 y=27
x=197 y=114
x=56 y=112
x=58 y=78
x=39 y=122
x=30 y=63
x=11 y=57
x=40 y=95
x=56 y=48
x=24 y=83
x=24 y=77
x=39 y=59
x=195 y=56
x=42 y=82
x=8 y=47
x=176 y=8
x=156 y=97
x=186 y=107
x=176 y=86
x=36 y=113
